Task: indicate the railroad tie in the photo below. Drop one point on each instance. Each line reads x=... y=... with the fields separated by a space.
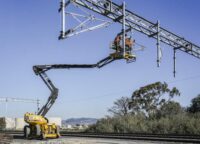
x=5 y=138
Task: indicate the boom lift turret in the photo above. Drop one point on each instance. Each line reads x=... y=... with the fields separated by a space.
x=38 y=124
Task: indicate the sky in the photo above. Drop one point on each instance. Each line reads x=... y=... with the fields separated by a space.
x=29 y=36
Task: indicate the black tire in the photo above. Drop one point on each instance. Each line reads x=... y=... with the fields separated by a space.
x=38 y=130
x=58 y=131
x=27 y=131
x=43 y=137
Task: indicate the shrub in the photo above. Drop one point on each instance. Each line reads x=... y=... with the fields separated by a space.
x=182 y=123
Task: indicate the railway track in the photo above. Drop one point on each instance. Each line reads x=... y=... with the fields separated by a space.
x=137 y=136
x=124 y=136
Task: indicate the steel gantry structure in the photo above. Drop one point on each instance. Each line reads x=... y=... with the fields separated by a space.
x=130 y=21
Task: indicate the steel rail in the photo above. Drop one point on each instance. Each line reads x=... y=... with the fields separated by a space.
x=144 y=137
x=125 y=136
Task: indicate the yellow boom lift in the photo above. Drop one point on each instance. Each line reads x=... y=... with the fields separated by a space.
x=38 y=124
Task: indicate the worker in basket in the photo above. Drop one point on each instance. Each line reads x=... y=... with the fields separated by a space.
x=129 y=42
x=117 y=45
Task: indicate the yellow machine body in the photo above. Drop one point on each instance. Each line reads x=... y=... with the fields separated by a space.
x=119 y=55
x=39 y=127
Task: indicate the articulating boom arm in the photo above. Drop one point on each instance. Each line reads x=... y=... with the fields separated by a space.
x=41 y=69
x=52 y=88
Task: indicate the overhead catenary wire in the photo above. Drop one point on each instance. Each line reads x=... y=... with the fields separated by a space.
x=121 y=93
x=23 y=100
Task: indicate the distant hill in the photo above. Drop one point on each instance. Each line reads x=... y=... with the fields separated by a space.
x=79 y=121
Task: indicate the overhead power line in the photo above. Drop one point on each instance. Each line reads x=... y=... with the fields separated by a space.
x=23 y=100
x=130 y=90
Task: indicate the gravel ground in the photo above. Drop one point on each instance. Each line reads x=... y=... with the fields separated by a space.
x=73 y=140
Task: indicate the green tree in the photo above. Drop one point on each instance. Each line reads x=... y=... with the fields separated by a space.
x=195 y=105
x=169 y=108
x=120 y=107
x=149 y=98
